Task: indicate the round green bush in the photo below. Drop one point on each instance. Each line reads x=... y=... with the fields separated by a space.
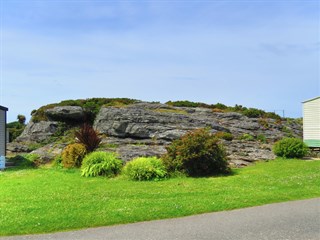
x=197 y=153
x=145 y=168
x=290 y=148
x=101 y=164
x=73 y=154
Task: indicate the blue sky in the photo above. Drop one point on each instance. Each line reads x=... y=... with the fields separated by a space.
x=262 y=54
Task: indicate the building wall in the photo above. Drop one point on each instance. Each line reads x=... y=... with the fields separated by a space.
x=3 y=132
x=311 y=122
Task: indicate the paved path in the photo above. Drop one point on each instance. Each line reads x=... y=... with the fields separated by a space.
x=297 y=220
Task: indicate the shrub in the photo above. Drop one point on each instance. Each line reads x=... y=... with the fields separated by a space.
x=290 y=148
x=196 y=154
x=224 y=135
x=73 y=154
x=88 y=137
x=247 y=137
x=101 y=164
x=57 y=161
x=145 y=168
x=219 y=106
x=184 y=104
x=262 y=138
x=15 y=130
x=253 y=113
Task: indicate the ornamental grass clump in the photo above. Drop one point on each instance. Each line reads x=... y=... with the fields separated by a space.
x=145 y=168
x=101 y=164
x=290 y=148
x=198 y=153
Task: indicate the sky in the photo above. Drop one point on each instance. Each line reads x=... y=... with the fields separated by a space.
x=262 y=54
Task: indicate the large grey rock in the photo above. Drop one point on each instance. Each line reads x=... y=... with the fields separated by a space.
x=65 y=113
x=48 y=152
x=248 y=151
x=38 y=132
x=129 y=152
x=147 y=121
x=15 y=147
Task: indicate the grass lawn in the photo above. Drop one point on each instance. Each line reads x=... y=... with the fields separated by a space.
x=48 y=200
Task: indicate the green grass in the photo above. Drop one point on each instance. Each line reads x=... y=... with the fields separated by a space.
x=48 y=200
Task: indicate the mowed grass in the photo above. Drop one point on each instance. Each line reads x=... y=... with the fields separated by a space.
x=48 y=200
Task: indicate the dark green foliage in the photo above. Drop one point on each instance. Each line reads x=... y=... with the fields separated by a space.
x=197 y=154
x=271 y=115
x=258 y=113
x=21 y=119
x=145 y=168
x=185 y=104
x=253 y=113
x=101 y=164
x=73 y=154
x=22 y=161
x=290 y=148
x=262 y=138
x=224 y=135
x=15 y=130
x=27 y=160
x=62 y=134
x=57 y=161
x=88 y=137
x=60 y=130
x=219 y=107
x=239 y=108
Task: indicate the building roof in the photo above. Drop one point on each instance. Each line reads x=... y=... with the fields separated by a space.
x=312 y=99
x=3 y=108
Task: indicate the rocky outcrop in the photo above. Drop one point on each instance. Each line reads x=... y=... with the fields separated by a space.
x=16 y=147
x=38 y=132
x=242 y=153
x=65 y=113
x=48 y=152
x=153 y=121
x=144 y=129
x=159 y=121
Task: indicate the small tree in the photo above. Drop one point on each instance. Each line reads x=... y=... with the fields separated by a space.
x=21 y=119
x=88 y=137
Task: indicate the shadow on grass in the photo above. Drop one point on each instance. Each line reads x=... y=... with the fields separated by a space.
x=19 y=162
